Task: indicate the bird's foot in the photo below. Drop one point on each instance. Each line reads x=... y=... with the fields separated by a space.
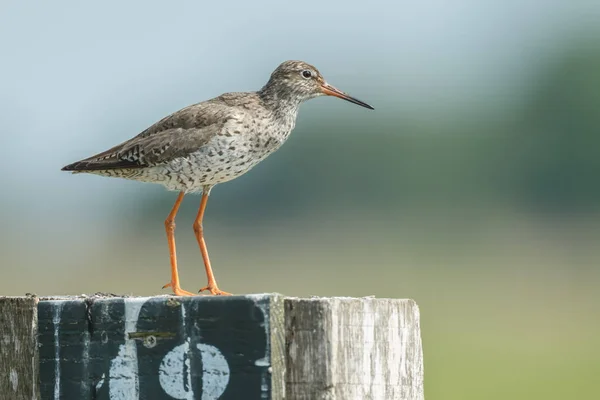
x=177 y=290
x=214 y=290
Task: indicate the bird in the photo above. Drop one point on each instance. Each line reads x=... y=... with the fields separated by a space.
x=212 y=142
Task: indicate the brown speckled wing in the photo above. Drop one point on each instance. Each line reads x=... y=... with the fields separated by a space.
x=177 y=135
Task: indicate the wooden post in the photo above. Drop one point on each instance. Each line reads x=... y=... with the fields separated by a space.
x=347 y=348
x=18 y=348
x=240 y=347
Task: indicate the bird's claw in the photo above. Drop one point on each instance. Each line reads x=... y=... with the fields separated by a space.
x=214 y=290
x=178 y=291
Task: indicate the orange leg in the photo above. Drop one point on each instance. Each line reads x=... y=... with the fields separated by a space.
x=212 y=283
x=170 y=228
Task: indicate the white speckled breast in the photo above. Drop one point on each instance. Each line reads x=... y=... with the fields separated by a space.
x=243 y=143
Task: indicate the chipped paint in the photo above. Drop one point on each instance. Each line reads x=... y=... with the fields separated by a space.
x=100 y=382
x=215 y=372
x=56 y=323
x=123 y=373
x=259 y=301
x=85 y=360
x=175 y=376
x=174 y=373
x=14 y=379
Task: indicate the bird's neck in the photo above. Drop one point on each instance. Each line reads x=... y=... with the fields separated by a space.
x=283 y=104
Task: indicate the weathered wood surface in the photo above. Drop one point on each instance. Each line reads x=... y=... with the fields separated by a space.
x=18 y=348
x=240 y=347
x=348 y=348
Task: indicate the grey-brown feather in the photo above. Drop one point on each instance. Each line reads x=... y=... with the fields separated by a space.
x=177 y=135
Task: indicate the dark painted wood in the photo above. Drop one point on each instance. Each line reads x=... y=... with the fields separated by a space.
x=157 y=348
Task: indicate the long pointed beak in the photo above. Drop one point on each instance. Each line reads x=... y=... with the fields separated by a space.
x=332 y=91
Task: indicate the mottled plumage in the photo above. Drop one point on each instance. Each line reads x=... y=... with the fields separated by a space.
x=213 y=141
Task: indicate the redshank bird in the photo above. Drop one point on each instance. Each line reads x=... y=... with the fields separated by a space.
x=212 y=142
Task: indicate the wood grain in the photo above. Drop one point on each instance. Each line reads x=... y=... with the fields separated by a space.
x=348 y=348
x=18 y=348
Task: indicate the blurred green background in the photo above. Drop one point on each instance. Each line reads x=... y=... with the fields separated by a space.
x=472 y=188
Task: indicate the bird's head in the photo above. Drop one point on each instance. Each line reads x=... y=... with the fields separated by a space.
x=303 y=81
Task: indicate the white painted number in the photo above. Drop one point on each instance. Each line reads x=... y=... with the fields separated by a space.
x=177 y=383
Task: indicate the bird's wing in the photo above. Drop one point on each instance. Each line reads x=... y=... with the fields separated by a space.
x=177 y=135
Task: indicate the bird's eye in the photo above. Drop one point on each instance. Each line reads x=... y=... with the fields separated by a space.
x=306 y=73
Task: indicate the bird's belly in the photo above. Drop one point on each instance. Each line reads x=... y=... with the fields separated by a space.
x=214 y=164
x=221 y=160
